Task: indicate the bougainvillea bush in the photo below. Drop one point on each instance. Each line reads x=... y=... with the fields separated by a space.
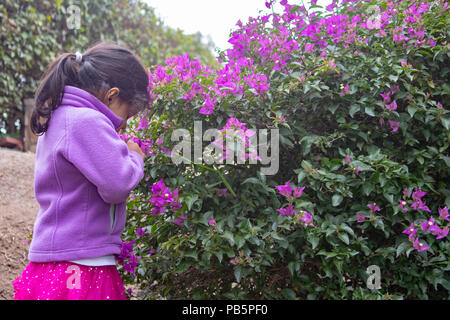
x=359 y=94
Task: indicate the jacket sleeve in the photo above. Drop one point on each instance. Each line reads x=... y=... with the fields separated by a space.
x=94 y=148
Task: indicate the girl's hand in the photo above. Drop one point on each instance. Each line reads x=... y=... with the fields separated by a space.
x=134 y=146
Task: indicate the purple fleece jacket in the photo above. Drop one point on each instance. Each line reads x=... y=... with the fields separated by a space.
x=84 y=174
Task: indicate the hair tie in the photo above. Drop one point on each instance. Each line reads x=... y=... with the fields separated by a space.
x=78 y=57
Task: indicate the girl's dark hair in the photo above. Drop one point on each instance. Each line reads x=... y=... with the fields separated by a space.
x=103 y=66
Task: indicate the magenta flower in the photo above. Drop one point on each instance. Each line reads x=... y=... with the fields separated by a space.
x=394 y=125
x=158 y=187
x=348 y=159
x=427 y=225
x=306 y=218
x=130 y=291
x=268 y=4
x=443 y=214
x=386 y=97
x=411 y=232
x=402 y=205
x=346 y=90
x=406 y=192
x=285 y=189
x=298 y=192
x=221 y=192
x=143 y=124
x=420 y=246
x=179 y=221
x=157 y=210
x=287 y=211
x=392 y=106
x=132 y=264
x=417 y=194
x=139 y=232
x=440 y=233
x=211 y=221
x=152 y=252
x=360 y=218
x=373 y=207
x=126 y=258
x=176 y=206
x=419 y=205
x=162 y=197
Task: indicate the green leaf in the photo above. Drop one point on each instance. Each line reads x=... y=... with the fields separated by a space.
x=190 y=200
x=402 y=247
x=336 y=199
x=314 y=240
x=251 y=180
x=412 y=110
x=389 y=197
x=291 y=267
x=289 y=294
x=393 y=78
x=447 y=160
x=354 y=108
x=229 y=236
x=446 y=123
x=240 y=241
x=343 y=237
x=192 y=254
x=219 y=255
x=301 y=176
x=238 y=273
x=367 y=188
x=347 y=229
x=369 y=110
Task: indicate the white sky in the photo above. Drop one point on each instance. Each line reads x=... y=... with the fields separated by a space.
x=215 y=18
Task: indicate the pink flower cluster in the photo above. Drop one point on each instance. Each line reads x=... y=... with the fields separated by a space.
x=429 y=225
x=291 y=193
x=127 y=258
x=416 y=203
x=272 y=41
x=146 y=145
x=391 y=105
x=194 y=79
x=163 y=198
x=373 y=208
x=236 y=129
x=348 y=160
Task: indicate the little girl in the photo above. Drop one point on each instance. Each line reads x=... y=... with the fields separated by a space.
x=84 y=173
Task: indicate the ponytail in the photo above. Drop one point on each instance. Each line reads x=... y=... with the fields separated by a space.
x=62 y=72
x=102 y=67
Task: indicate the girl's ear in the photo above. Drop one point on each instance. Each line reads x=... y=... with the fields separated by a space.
x=110 y=95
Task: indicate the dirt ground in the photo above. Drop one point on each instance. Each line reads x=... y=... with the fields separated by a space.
x=18 y=209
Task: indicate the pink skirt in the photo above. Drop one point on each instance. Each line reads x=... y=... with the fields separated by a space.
x=68 y=281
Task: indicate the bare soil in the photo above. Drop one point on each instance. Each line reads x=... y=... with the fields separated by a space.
x=18 y=210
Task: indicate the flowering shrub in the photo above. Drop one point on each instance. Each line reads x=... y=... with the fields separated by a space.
x=360 y=97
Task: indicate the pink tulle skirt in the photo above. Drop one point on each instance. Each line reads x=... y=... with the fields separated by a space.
x=68 y=281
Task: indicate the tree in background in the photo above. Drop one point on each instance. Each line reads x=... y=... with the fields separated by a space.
x=33 y=33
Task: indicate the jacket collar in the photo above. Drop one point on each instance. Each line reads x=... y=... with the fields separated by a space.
x=80 y=98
